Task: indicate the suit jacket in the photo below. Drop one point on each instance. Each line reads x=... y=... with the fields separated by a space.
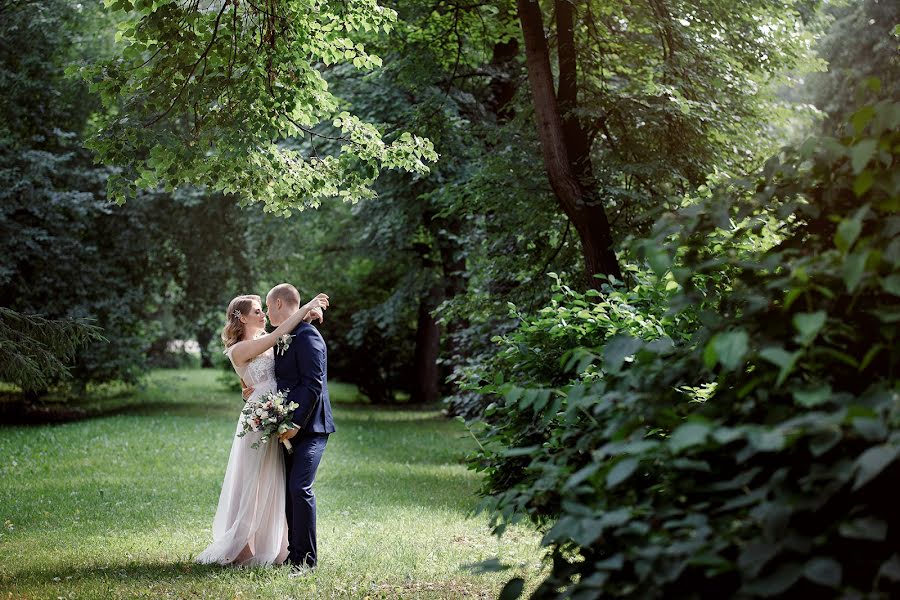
x=303 y=370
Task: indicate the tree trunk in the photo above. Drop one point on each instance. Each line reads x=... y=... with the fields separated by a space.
x=204 y=337
x=502 y=85
x=453 y=271
x=427 y=350
x=565 y=160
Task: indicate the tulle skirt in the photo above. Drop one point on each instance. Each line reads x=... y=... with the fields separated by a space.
x=250 y=527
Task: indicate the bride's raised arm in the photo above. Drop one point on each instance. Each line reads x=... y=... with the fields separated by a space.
x=247 y=350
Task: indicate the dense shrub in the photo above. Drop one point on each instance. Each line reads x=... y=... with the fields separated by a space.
x=771 y=476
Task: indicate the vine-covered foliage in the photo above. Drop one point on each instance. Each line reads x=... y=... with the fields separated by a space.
x=755 y=457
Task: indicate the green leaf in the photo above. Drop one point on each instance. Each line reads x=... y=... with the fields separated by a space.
x=861 y=118
x=871 y=429
x=491 y=565
x=872 y=462
x=847 y=232
x=814 y=396
x=853 y=268
x=621 y=471
x=771 y=440
x=617 y=350
x=870 y=355
x=613 y=563
x=891 y=284
x=754 y=557
x=824 y=441
x=890 y=569
x=782 y=358
x=581 y=475
x=659 y=259
x=865 y=528
x=809 y=324
x=709 y=355
x=777 y=583
x=731 y=347
x=824 y=571
x=863 y=183
x=687 y=435
x=861 y=153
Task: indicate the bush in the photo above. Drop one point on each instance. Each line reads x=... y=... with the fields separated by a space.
x=772 y=477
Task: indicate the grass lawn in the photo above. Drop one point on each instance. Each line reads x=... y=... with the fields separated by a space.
x=117 y=506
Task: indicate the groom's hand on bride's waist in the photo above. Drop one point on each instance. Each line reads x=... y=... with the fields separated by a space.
x=246 y=391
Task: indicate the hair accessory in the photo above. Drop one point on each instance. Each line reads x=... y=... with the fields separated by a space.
x=236 y=313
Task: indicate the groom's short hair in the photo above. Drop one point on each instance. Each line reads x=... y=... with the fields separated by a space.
x=286 y=293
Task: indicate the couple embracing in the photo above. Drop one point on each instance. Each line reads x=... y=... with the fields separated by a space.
x=267 y=510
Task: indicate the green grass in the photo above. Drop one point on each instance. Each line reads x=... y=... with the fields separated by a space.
x=117 y=506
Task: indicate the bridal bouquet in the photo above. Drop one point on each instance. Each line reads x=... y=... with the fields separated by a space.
x=269 y=414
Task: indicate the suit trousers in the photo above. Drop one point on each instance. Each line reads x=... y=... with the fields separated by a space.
x=300 y=506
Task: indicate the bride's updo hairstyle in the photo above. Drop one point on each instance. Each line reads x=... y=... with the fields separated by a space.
x=234 y=328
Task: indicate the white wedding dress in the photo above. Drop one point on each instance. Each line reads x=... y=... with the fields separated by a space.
x=250 y=527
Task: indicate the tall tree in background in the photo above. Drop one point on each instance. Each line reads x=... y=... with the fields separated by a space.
x=647 y=98
x=69 y=253
x=862 y=44
x=564 y=143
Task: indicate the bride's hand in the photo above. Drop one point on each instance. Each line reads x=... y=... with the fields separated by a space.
x=314 y=314
x=320 y=302
x=290 y=433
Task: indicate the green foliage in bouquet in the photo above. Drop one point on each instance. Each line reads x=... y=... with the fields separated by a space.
x=755 y=456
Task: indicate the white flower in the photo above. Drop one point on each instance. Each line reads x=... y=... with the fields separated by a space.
x=264 y=414
x=284 y=342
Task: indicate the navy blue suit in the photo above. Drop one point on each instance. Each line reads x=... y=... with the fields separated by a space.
x=303 y=370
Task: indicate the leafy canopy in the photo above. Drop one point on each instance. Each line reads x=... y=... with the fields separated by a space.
x=222 y=95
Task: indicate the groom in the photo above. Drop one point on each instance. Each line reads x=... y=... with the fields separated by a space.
x=302 y=368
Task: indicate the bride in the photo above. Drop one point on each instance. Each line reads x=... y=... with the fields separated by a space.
x=250 y=527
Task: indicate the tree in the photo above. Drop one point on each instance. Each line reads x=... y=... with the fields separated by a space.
x=649 y=98
x=219 y=95
x=565 y=147
x=70 y=255
x=745 y=449
x=37 y=352
x=861 y=44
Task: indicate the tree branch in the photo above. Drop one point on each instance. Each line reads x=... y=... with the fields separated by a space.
x=187 y=80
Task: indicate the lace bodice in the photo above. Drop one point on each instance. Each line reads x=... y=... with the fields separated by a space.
x=258 y=370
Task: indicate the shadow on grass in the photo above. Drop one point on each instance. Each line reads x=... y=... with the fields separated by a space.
x=394 y=488
x=140 y=574
x=162 y=398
